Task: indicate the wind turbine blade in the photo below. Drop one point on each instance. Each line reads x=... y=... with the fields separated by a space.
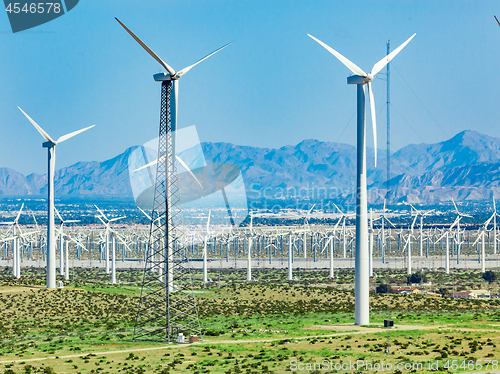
x=57 y=212
x=337 y=208
x=381 y=64
x=497 y=20
x=455 y=205
x=70 y=135
x=72 y=221
x=147 y=49
x=494 y=206
x=102 y=213
x=19 y=214
x=311 y=209
x=186 y=69
x=40 y=130
x=147 y=215
x=188 y=169
x=154 y=162
x=374 y=121
x=117 y=218
x=350 y=65
x=208 y=221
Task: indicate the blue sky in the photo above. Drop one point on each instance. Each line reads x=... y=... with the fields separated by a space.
x=274 y=86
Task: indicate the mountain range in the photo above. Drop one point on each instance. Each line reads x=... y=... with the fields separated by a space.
x=465 y=167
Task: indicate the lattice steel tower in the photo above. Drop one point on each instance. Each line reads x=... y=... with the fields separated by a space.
x=167 y=305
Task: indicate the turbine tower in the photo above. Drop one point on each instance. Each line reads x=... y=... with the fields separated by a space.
x=360 y=78
x=50 y=144
x=167 y=307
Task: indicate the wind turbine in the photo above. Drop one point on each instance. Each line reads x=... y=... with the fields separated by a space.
x=459 y=217
x=102 y=217
x=422 y=214
x=205 y=242
x=50 y=144
x=63 y=259
x=362 y=271
x=480 y=236
x=15 y=243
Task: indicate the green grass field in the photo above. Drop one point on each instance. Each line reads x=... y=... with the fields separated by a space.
x=263 y=327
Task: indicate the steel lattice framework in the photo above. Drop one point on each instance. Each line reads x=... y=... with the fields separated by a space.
x=167 y=305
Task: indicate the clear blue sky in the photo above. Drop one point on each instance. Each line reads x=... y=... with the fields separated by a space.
x=274 y=86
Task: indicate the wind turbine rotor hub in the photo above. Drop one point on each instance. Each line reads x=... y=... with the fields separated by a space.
x=368 y=78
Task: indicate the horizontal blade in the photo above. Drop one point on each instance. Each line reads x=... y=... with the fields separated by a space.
x=186 y=69
x=117 y=218
x=381 y=64
x=154 y=162
x=70 y=135
x=151 y=53
x=40 y=130
x=350 y=65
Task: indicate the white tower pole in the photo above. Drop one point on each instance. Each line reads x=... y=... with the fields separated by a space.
x=14 y=255
x=408 y=265
x=66 y=256
x=106 y=249
x=331 y=255
x=447 y=258
x=290 y=275
x=51 y=244
x=61 y=254
x=205 y=270
x=113 y=259
x=495 y=233
x=249 y=260
x=421 y=236
x=362 y=280
x=343 y=239
x=483 y=254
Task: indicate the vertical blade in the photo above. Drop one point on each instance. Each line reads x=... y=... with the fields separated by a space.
x=208 y=221
x=19 y=214
x=374 y=120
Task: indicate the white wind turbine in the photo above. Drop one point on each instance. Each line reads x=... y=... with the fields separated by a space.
x=205 y=242
x=63 y=255
x=360 y=78
x=457 y=221
x=422 y=214
x=481 y=235
x=50 y=144
x=106 y=221
x=16 y=258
